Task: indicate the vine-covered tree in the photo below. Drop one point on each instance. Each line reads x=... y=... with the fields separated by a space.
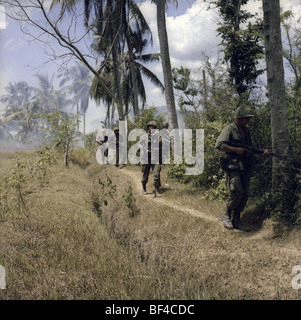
x=242 y=43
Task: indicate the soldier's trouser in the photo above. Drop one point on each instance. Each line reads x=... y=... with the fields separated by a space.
x=238 y=184
x=156 y=172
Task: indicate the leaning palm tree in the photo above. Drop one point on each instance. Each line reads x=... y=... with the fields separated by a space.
x=108 y=13
x=165 y=58
x=112 y=20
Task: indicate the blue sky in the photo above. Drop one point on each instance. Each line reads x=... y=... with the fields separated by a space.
x=191 y=30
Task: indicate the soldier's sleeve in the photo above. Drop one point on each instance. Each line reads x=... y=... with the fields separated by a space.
x=223 y=139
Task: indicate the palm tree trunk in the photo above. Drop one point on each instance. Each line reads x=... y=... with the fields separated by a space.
x=133 y=77
x=276 y=85
x=107 y=121
x=112 y=115
x=115 y=58
x=166 y=66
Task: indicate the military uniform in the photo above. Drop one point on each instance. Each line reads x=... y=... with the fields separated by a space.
x=238 y=167
x=116 y=131
x=156 y=168
x=240 y=172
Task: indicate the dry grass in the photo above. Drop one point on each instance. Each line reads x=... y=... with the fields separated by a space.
x=187 y=236
x=79 y=240
x=61 y=250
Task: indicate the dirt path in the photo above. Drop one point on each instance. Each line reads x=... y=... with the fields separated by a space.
x=264 y=234
x=136 y=177
x=265 y=260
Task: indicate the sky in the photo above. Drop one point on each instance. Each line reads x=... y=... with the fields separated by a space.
x=191 y=31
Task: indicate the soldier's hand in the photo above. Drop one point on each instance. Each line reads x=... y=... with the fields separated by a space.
x=241 y=150
x=266 y=152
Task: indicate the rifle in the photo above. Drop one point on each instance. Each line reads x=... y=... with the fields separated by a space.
x=254 y=150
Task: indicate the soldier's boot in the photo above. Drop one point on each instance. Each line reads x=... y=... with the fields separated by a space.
x=144 y=189
x=157 y=192
x=237 y=224
x=226 y=218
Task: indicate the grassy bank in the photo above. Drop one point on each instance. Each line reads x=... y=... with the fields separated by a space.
x=58 y=247
x=87 y=232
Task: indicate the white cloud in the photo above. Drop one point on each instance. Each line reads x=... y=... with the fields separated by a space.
x=188 y=34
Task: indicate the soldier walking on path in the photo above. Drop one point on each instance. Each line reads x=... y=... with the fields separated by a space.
x=237 y=164
x=152 y=126
x=116 y=131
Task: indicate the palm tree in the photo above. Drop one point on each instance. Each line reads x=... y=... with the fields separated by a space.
x=166 y=66
x=137 y=66
x=107 y=14
x=100 y=95
x=81 y=79
x=49 y=99
x=113 y=20
x=276 y=84
x=284 y=182
x=18 y=94
x=136 y=42
x=25 y=122
x=16 y=100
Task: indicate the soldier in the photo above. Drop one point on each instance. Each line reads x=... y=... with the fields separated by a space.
x=165 y=125
x=116 y=131
x=152 y=125
x=238 y=166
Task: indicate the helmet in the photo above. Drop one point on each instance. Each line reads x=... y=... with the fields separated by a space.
x=152 y=123
x=165 y=124
x=243 y=112
x=115 y=129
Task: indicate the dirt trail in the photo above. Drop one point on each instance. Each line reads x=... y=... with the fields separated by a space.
x=259 y=261
x=262 y=234
x=136 y=177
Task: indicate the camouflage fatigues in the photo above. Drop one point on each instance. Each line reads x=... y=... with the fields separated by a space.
x=238 y=179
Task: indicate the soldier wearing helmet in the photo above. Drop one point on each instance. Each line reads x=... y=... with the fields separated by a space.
x=156 y=168
x=238 y=162
x=165 y=125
